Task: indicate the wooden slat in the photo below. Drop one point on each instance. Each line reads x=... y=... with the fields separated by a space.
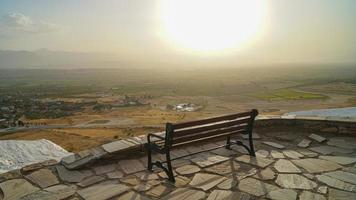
x=209 y=134
x=211 y=127
x=211 y=120
x=208 y=138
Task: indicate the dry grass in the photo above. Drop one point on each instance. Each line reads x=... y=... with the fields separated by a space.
x=77 y=139
x=70 y=142
x=97 y=133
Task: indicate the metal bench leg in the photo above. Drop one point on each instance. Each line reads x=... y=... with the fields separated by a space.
x=228 y=143
x=169 y=167
x=252 y=149
x=149 y=158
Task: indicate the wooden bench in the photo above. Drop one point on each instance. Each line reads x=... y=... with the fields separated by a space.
x=201 y=130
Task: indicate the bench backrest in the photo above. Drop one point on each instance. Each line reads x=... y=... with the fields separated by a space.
x=223 y=126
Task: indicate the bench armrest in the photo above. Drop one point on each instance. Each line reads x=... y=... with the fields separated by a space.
x=155 y=136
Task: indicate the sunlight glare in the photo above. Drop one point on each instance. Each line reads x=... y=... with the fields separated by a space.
x=211 y=25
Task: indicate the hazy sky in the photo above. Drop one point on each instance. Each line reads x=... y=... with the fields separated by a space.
x=293 y=30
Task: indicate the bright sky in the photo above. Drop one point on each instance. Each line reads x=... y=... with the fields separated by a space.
x=286 y=31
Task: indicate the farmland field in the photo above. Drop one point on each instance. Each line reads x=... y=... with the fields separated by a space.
x=288 y=94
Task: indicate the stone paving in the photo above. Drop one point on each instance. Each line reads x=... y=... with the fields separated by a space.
x=312 y=166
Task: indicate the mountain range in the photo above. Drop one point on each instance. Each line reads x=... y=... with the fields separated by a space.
x=44 y=58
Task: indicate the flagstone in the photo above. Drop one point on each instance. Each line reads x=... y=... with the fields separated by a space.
x=72 y=176
x=342 y=160
x=224 y=152
x=149 y=176
x=220 y=142
x=227 y=195
x=163 y=174
x=187 y=169
x=343 y=142
x=16 y=188
x=86 y=173
x=245 y=173
x=306 y=195
x=131 y=166
x=255 y=136
x=10 y=175
x=340 y=195
x=98 y=152
x=224 y=168
x=277 y=154
x=286 y=166
x=61 y=191
x=42 y=195
x=69 y=159
x=103 y=169
x=326 y=150
x=155 y=156
x=115 y=146
x=330 y=129
x=159 y=191
x=102 y=191
x=282 y=194
x=295 y=181
x=143 y=187
x=43 y=177
x=265 y=174
x=255 y=187
x=310 y=176
x=115 y=174
x=227 y=184
x=180 y=181
x=83 y=153
x=240 y=149
x=292 y=154
x=185 y=194
x=209 y=145
x=206 y=160
x=39 y=165
x=206 y=181
x=317 y=138
x=132 y=180
x=180 y=162
x=304 y=143
x=350 y=169
x=275 y=145
x=90 y=181
x=256 y=161
x=336 y=183
x=322 y=189
x=262 y=153
x=179 y=152
x=193 y=149
x=343 y=176
x=131 y=196
x=308 y=153
x=154 y=182
x=313 y=165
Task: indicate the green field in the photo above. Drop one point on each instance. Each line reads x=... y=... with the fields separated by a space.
x=288 y=94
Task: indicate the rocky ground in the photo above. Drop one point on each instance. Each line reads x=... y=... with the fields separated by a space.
x=289 y=165
x=16 y=154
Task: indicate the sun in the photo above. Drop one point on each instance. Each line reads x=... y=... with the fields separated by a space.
x=211 y=25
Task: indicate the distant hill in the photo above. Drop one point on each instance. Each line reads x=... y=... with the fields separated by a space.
x=44 y=58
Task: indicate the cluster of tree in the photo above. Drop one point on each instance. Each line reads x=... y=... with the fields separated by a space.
x=101 y=107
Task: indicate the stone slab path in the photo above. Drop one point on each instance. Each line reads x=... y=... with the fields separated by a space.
x=308 y=168
x=286 y=166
